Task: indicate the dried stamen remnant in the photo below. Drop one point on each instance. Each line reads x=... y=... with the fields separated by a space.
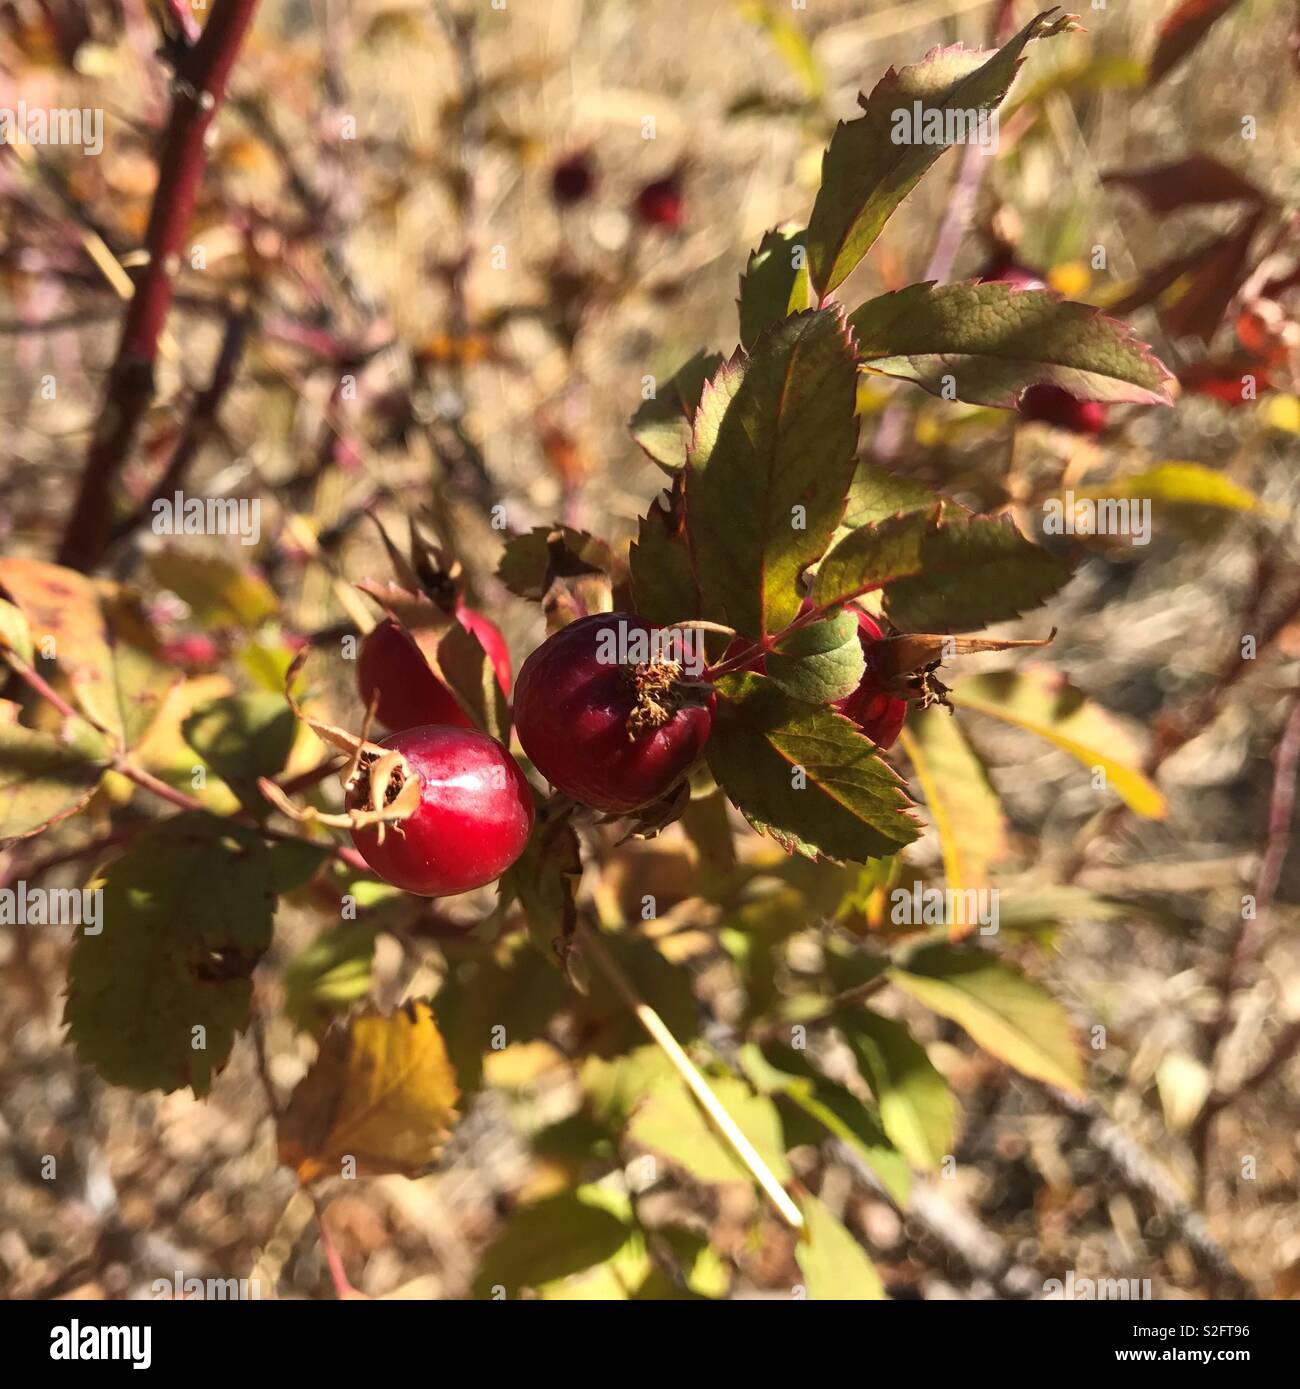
x=658 y=695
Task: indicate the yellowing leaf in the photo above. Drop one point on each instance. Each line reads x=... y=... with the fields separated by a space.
x=1186 y=484
x=834 y=1265
x=381 y=1092
x=63 y=608
x=1005 y=1013
x=964 y=808
x=1043 y=702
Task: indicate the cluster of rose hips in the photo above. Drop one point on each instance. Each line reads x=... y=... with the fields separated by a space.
x=658 y=203
x=614 y=737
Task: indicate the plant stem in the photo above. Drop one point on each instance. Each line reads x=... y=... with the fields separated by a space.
x=197 y=91
x=689 y=1072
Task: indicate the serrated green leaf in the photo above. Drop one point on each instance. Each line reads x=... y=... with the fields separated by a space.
x=821 y=661
x=1044 y=702
x=467 y=670
x=243 y=737
x=155 y=1000
x=42 y=780
x=834 y=1265
x=917 y=1109
x=659 y=561
x=805 y=775
x=987 y=343
x=1008 y=1015
x=775 y=283
x=941 y=572
x=876 y=494
x=865 y=174
x=963 y=806
x=770 y=465
x=662 y=425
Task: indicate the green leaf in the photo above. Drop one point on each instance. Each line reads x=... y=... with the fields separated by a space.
x=553 y=1238
x=821 y=661
x=42 y=780
x=662 y=425
x=876 y=494
x=155 y=1000
x=987 y=343
x=467 y=670
x=659 y=560
x=805 y=775
x=964 y=808
x=1044 y=702
x=671 y=1123
x=941 y=572
x=822 y=1106
x=834 y=1265
x=220 y=593
x=775 y=283
x=15 y=635
x=614 y=1088
x=865 y=174
x=1008 y=1015
x=917 y=1108
x=601 y=1015
x=329 y=976
x=544 y=879
x=770 y=466
x=243 y=737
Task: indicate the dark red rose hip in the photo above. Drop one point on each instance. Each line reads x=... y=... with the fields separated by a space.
x=615 y=735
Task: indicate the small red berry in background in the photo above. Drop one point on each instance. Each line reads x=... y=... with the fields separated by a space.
x=392 y=665
x=473 y=820
x=194 y=653
x=615 y=737
x=1049 y=404
x=660 y=203
x=573 y=179
x=1045 y=403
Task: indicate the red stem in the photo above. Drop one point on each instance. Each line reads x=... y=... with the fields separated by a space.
x=197 y=91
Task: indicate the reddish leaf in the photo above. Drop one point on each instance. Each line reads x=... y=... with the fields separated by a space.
x=1181 y=31
x=1197 y=181
x=1213 y=285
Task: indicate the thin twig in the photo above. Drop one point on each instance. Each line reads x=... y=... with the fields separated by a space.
x=686 y=1068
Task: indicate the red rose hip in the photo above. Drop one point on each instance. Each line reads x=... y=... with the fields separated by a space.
x=472 y=822
x=877 y=712
x=605 y=718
